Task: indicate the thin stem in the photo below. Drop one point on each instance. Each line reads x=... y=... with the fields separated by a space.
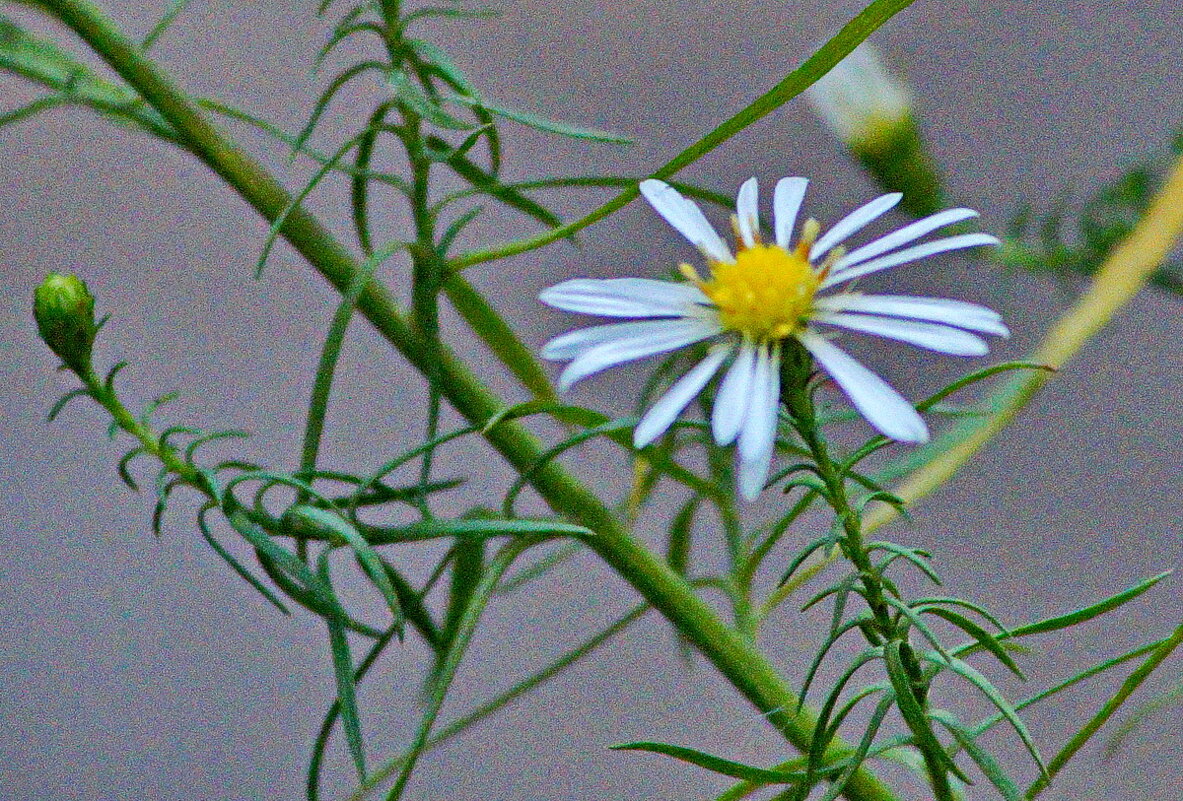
x=798 y=398
x=107 y=398
x=748 y=669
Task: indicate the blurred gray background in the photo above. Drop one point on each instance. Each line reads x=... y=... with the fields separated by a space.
x=141 y=668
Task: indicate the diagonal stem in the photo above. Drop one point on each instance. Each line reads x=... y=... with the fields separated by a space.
x=737 y=659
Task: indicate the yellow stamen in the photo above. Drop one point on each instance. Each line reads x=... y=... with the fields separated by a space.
x=766 y=294
x=809 y=231
x=690 y=274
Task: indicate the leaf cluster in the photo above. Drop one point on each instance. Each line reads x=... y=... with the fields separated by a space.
x=1068 y=242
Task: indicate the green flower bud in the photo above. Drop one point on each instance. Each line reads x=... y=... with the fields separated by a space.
x=871 y=112
x=64 y=310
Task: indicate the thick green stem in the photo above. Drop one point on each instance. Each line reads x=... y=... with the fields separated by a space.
x=735 y=657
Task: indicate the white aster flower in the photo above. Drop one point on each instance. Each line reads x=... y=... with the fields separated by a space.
x=758 y=298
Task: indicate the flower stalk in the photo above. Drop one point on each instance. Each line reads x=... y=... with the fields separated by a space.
x=882 y=630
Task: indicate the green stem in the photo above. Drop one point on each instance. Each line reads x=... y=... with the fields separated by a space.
x=737 y=659
x=798 y=399
x=107 y=398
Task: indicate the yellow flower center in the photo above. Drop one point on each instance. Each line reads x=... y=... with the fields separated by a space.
x=766 y=294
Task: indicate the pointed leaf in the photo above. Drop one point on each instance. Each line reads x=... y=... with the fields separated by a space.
x=987 y=689
x=542 y=124
x=989 y=766
x=735 y=770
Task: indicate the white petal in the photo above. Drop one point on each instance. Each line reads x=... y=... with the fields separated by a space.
x=852 y=222
x=757 y=441
x=909 y=254
x=933 y=336
x=904 y=235
x=969 y=316
x=786 y=203
x=623 y=297
x=575 y=343
x=670 y=405
x=882 y=406
x=759 y=427
x=658 y=336
x=747 y=211
x=686 y=217
x=753 y=474
x=734 y=395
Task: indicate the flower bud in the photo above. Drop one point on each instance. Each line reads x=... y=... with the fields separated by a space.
x=64 y=310
x=871 y=112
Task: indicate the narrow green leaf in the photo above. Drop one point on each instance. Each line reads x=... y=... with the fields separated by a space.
x=1091 y=611
x=489 y=185
x=257 y=123
x=123 y=465
x=543 y=566
x=151 y=406
x=326 y=97
x=824 y=649
x=543 y=124
x=30 y=110
x=413 y=97
x=1094 y=724
x=473 y=528
x=983 y=637
x=1164 y=700
x=796 y=82
x=416 y=611
x=820 y=741
x=343 y=671
x=235 y=565
x=314 y=591
x=915 y=556
x=434 y=56
x=987 y=689
x=860 y=754
x=109 y=381
x=735 y=770
x=320 y=745
x=333 y=527
x=837 y=718
x=950 y=601
x=164 y=436
x=331 y=352
x=359 y=186
x=277 y=225
x=447 y=671
x=802 y=555
x=191 y=449
x=428 y=12
x=170 y=16
x=918 y=623
x=468 y=566
x=342 y=32
x=64 y=400
x=44 y=63
x=523 y=479
x=677 y=553
x=455 y=227
x=989 y=766
x=913 y=713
